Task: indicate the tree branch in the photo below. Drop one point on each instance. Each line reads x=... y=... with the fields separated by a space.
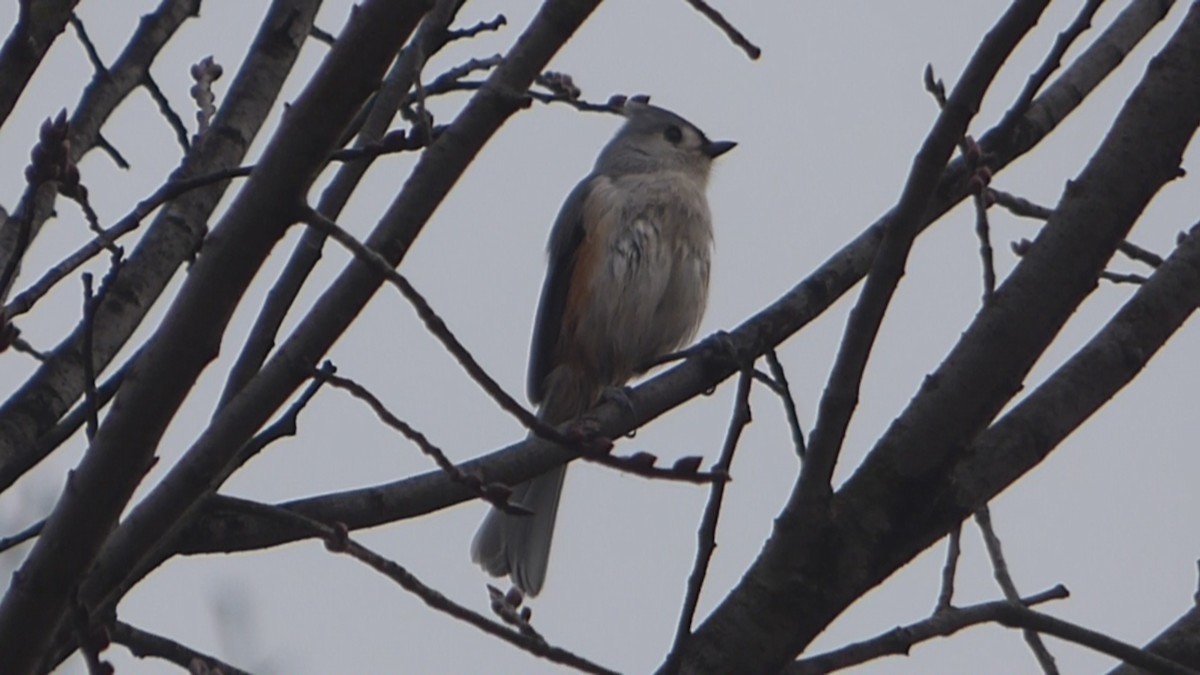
x=418 y=495
x=841 y=393
x=907 y=493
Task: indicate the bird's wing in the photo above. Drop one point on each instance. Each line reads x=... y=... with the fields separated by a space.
x=563 y=248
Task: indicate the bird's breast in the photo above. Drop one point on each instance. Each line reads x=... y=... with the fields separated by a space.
x=642 y=273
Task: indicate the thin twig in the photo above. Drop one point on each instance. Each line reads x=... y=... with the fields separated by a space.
x=1135 y=252
x=706 y=536
x=1119 y=278
x=983 y=517
x=286 y=425
x=1051 y=63
x=437 y=327
x=321 y=35
x=338 y=540
x=79 y=195
x=91 y=639
x=986 y=258
x=395 y=142
x=481 y=27
x=25 y=301
x=539 y=96
x=164 y=106
x=901 y=640
x=90 y=397
x=76 y=418
x=19 y=344
x=111 y=150
x=1019 y=206
x=88 y=46
x=983 y=228
x=840 y=397
x=144 y=644
x=590 y=449
x=978 y=185
x=23 y=536
x=496 y=495
x=789 y=404
x=945 y=599
x=376 y=117
x=721 y=22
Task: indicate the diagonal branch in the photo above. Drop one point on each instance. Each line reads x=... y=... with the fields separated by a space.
x=338 y=540
x=188 y=338
x=418 y=495
x=1004 y=579
x=841 y=393
x=169 y=506
x=176 y=232
x=142 y=644
x=900 y=640
x=393 y=92
x=30 y=39
x=706 y=543
x=425 y=493
x=906 y=495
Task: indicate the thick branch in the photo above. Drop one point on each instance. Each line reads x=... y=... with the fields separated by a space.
x=30 y=39
x=190 y=333
x=817 y=562
x=430 y=36
x=172 y=238
x=418 y=495
x=841 y=393
x=207 y=463
x=108 y=89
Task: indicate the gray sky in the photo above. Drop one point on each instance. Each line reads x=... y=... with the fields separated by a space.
x=827 y=122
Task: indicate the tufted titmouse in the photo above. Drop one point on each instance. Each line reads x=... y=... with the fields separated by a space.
x=627 y=283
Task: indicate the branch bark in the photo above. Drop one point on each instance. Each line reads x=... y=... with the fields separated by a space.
x=820 y=560
x=189 y=336
x=371 y=506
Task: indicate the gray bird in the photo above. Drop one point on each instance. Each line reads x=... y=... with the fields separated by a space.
x=627 y=282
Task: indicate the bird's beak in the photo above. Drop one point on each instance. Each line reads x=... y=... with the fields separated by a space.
x=714 y=149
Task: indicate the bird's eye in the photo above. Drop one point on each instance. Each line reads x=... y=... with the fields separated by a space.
x=673 y=134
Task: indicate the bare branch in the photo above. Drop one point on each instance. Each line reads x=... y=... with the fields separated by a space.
x=789 y=404
x=1019 y=206
x=721 y=22
x=841 y=394
x=391 y=95
x=338 y=540
x=496 y=495
x=983 y=517
x=482 y=27
x=88 y=46
x=31 y=37
x=945 y=599
x=172 y=502
x=909 y=473
x=901 y=640
x=176 y=232
x=1053 y=60
x=143 y=644
x=164 y=106
x=706 y=536
x=14 y=540
x=186 y=340
x=1135 y=252
x=90 y=397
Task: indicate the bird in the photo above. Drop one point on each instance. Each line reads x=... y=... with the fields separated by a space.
x=627 y=283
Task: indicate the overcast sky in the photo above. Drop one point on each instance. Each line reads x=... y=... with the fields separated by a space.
x=827 y=122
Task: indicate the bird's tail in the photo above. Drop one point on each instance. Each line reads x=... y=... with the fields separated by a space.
x=519 y=546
